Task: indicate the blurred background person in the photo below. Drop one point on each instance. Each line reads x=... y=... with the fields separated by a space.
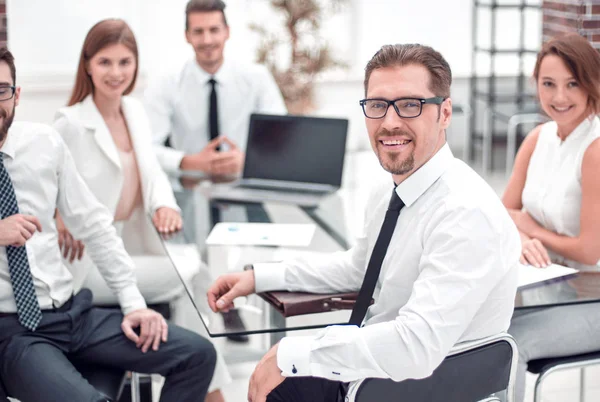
x=205 y=106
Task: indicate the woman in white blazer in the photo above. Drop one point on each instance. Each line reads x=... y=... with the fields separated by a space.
x=109 y=136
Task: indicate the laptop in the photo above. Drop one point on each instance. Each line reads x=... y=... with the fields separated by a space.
x=290 y=159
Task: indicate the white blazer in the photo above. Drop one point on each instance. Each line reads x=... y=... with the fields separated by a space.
x=97 y=159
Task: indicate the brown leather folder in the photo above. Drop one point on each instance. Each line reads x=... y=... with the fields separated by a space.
x=297 y=303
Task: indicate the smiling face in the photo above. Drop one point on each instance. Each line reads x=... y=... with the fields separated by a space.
x=403 y=145
x=207 y=33
x=112 y=70
x=7 y=107
x=560 y=95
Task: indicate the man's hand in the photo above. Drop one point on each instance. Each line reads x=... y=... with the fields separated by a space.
x=16 y=229
x=167 y=220
x=202 y=160
x=228 y=163
x=227 y=287
x=67 y=243
x=266 y=377
x=153 y=328
x=213 y=162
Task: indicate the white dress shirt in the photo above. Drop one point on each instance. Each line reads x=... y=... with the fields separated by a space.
x=552 y=192
x=179 y=105
x=449 y=275
x=45 y=178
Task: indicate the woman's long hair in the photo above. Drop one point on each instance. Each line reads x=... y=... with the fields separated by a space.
x=104 y=33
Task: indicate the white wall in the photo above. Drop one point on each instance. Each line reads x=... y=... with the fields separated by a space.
x=46 y=38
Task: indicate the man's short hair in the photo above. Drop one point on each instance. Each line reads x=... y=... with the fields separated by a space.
x=415 y=54
x=7 y=57
x=204 y=6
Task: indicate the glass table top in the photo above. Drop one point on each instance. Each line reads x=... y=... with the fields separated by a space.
x=330 y=235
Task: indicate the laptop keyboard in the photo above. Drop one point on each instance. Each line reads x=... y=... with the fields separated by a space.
x=282 y=189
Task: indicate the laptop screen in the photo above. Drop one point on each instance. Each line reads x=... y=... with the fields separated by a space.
x=296 y=148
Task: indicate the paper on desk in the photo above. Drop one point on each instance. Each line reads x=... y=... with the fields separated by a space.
x=261 y=234
x=529 y=274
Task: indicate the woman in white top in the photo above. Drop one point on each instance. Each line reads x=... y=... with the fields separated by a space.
x=109 y=136
x=553 y=197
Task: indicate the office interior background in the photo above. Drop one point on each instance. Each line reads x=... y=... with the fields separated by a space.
x=491 y=46
x=47 y=47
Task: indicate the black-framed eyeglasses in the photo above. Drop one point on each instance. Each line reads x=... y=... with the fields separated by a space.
x=7 y=92
x=405 y=107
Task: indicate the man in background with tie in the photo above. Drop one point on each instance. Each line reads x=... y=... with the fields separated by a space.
x=203 y=112
x=437 y=253
x=204 y=108
x=44 y=327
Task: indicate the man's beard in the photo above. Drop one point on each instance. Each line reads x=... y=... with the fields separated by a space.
x=6 y=122
x=394 y=164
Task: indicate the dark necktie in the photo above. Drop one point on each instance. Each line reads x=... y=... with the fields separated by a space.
x=213 y=111
x=213 y=129
x=28 y=307
x=365 y=294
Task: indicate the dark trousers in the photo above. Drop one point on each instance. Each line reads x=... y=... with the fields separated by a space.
x=36 y=366
x=308 y=389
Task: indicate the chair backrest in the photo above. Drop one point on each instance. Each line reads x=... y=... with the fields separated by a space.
x=472 y=372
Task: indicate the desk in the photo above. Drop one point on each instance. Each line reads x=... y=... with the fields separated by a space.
x=582 y=287
x=331 y=235
x=259 y=318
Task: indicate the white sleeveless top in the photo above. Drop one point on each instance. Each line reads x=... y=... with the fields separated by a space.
x=552 y=192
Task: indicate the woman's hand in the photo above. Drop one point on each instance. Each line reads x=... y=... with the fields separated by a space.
x=167 y=220
x=533 y=252
x=70 y=247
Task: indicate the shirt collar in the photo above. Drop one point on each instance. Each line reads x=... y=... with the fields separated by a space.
x=417 y=183
x=221 y=76
x=9 y=146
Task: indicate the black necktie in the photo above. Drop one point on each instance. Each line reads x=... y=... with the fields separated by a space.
x=372 y=275
x=28 y=307
x=213 y=112
x=213 y=129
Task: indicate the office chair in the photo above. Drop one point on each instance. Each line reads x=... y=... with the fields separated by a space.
x=473 y=371
x=545 y=367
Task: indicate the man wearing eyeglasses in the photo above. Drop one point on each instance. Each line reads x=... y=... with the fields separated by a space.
x=438 y=252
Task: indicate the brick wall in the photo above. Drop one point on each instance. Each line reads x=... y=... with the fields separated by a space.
x=582 y=16
x=3 y=26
